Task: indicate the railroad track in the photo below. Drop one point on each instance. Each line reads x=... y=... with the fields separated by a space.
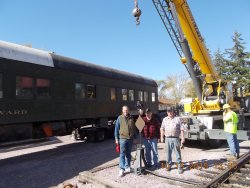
x=235 y=176
x=228 y=173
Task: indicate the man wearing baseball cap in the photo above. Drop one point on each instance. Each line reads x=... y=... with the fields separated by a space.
x=151 y=135
x=230 y=120
x=172 y=128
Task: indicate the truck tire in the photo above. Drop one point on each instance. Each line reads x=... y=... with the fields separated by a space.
x=100 y=135
x=82 y=135
x=216 y=143
x=91 y=136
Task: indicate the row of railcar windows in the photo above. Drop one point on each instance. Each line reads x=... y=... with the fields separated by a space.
x=25 y=87
x=128 y=95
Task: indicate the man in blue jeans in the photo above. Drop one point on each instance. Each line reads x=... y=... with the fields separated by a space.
x=230 y=120
x=125 y=132
x=151 y=135
x=172 y=129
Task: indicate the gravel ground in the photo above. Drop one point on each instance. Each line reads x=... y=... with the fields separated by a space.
x=56 y=163
x=208 y=159
x=190 y=155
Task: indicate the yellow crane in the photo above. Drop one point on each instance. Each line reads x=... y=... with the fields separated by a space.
x=212 y=91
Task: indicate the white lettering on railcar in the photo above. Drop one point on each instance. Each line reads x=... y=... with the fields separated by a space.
x=14 y=112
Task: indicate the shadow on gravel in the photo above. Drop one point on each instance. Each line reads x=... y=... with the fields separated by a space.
x=209 y=148
x=205 y=146
x=51 y=167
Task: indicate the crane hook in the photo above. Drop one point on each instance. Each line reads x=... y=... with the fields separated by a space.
x=136 y=13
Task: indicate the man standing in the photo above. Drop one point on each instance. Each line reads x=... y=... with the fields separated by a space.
x=151 y=134
x=172 y=128
x=125 y=132
x=230 y=120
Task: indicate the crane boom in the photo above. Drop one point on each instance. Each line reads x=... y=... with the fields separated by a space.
x=181 y=26
x=186 y=24
x=171 y=23
x=195 y=40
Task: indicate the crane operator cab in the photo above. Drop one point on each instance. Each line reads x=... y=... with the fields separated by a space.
x=214 y=95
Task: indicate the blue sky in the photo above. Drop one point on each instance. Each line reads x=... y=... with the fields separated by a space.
x=104 y=32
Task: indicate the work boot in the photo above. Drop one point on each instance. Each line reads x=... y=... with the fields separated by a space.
x=236 y=156
x=168 y=167
x=156 y=166
x=152 y=168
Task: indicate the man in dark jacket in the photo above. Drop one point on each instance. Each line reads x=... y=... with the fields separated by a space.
x=125 y=132
x=151 y=135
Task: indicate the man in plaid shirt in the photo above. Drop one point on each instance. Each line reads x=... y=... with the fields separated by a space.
x=172 y=129
x=151 y=135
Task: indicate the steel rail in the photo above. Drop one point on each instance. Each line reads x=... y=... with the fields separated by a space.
x=226 y=174
x=193 y=182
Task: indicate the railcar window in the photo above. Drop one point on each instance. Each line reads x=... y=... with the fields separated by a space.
x=1 y=86
x=124 y=94
x=113 y=94
x=131 y=95
x=42 y=88
x=145 y=96
x=153 y=97
x=24 y=87
x=140 y=95
x=80 y=91
x=91 y=91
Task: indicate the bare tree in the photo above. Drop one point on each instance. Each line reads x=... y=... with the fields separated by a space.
x=176 y=87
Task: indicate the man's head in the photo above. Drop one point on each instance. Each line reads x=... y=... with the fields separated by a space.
x=141 y=112
x=148 y=113
x=226 y=107
x=125 y=110
x=170 y=111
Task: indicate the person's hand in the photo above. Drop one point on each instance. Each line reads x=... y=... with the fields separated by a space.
x=117 y=148
x=182 y=146
x=183 y=140
x=116 y=141
x=162 y=139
